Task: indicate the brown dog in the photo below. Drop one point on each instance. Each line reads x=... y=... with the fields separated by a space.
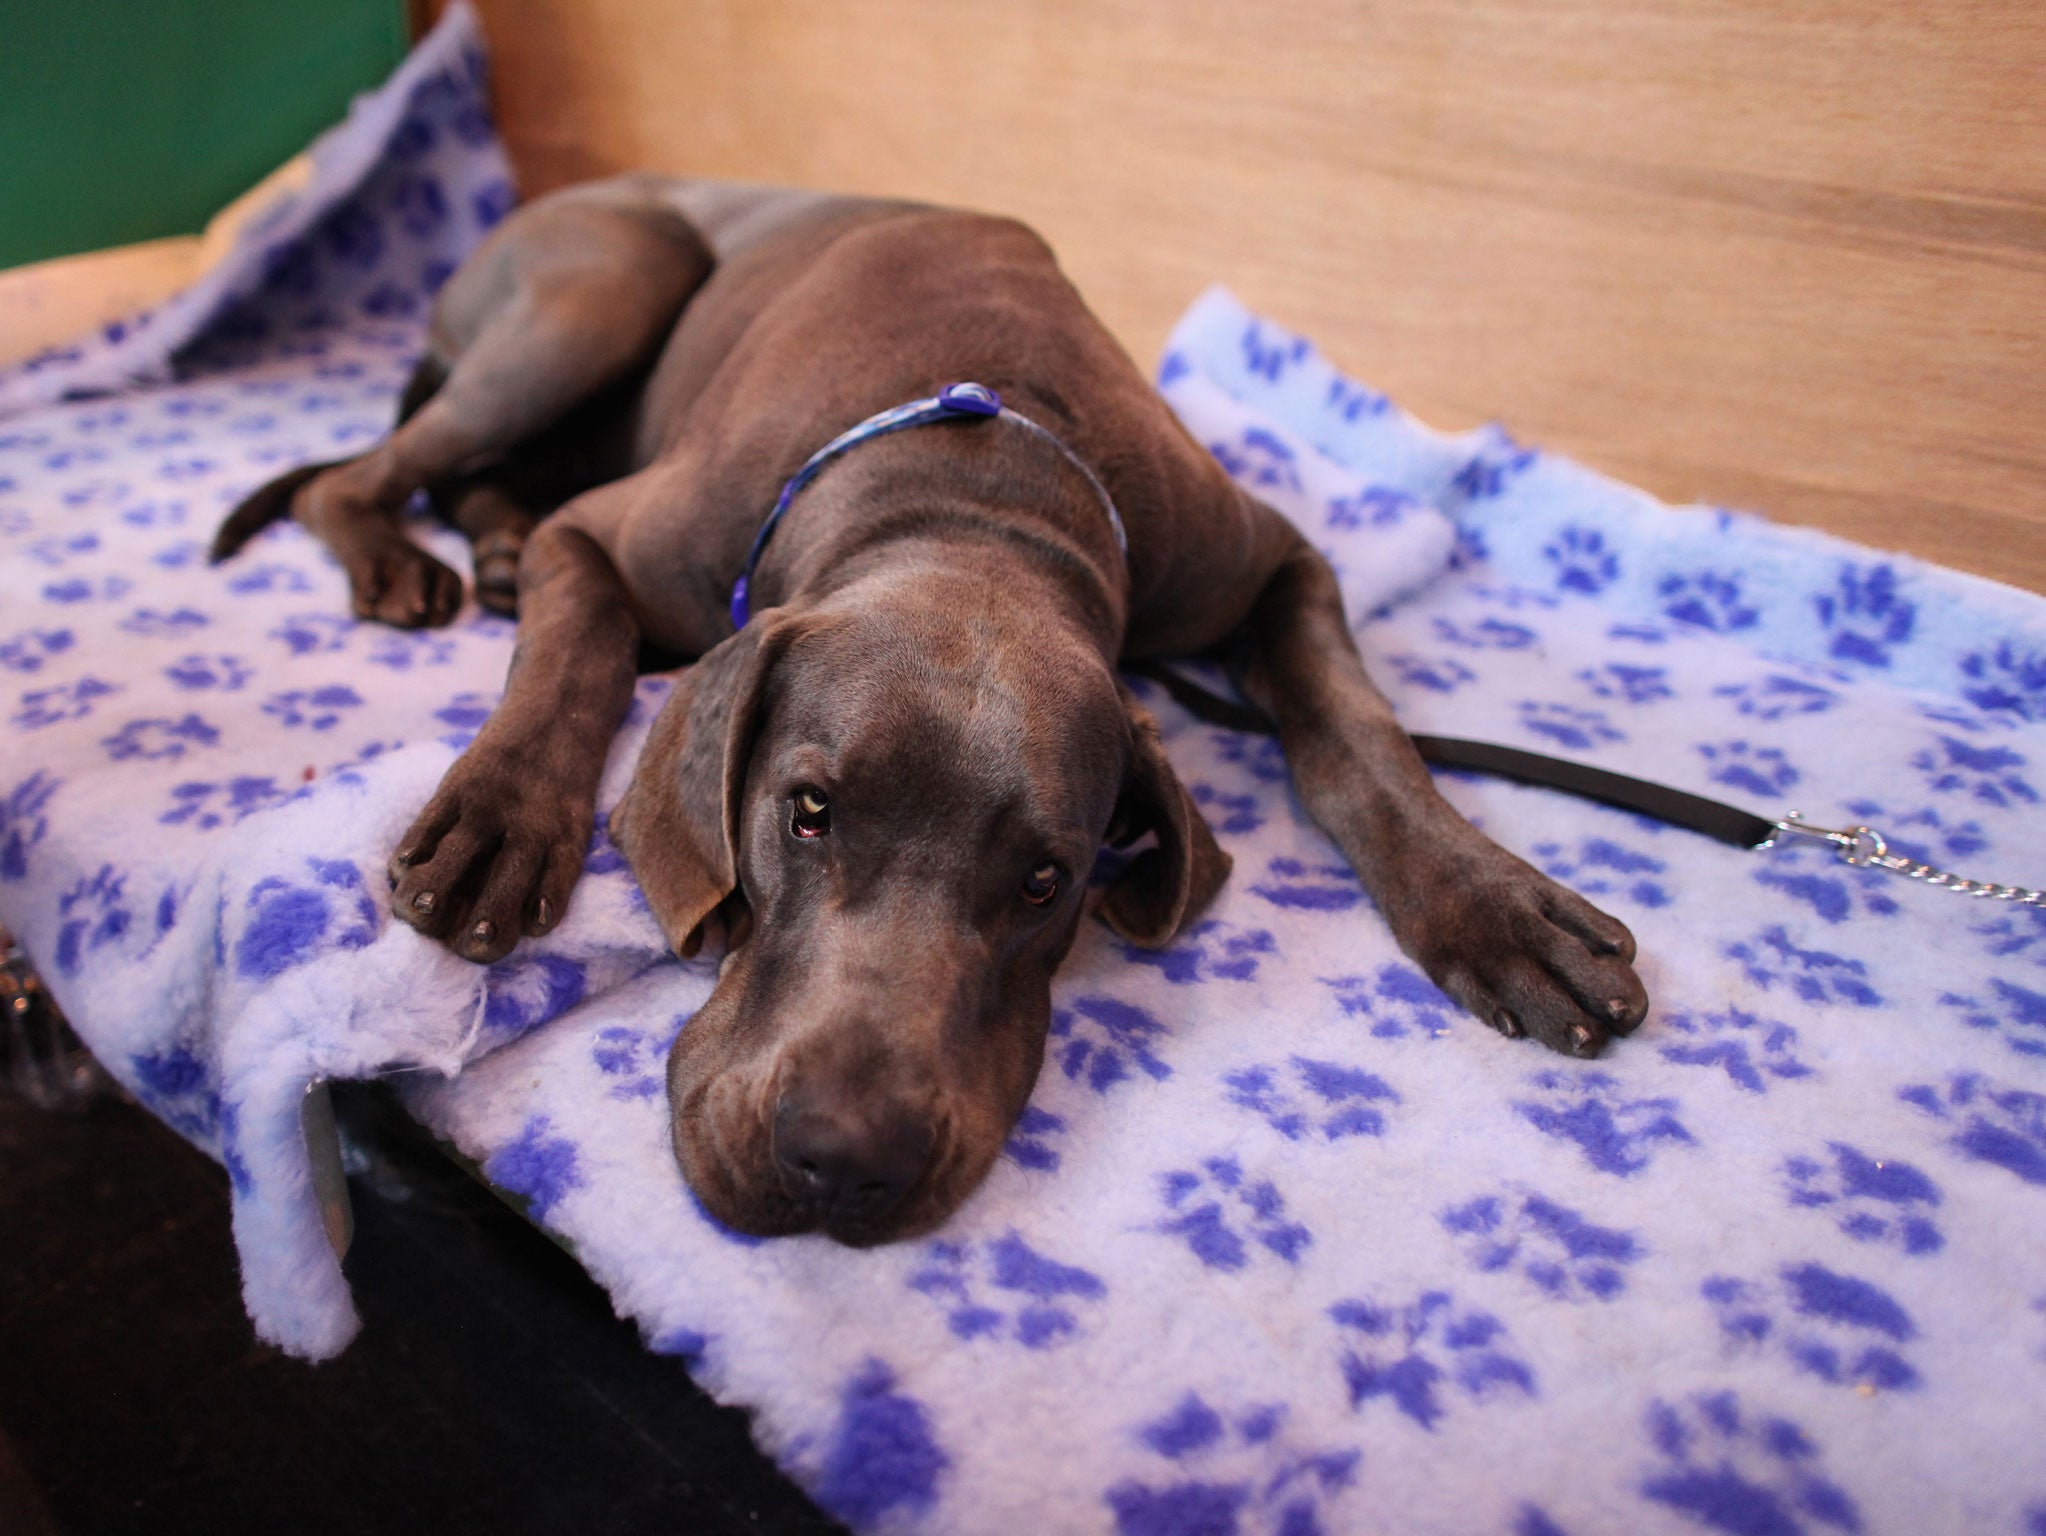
x=891 y=784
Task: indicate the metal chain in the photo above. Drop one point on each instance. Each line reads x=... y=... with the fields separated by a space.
x=1865 y=848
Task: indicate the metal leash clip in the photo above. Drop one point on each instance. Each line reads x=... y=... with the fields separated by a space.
x=1866 y=848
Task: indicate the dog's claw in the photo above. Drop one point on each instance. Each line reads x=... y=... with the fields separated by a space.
x=1556 y=976
x=472 y=870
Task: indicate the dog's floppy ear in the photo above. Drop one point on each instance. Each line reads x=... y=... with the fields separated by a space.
x=1164 y=888
x=678 y=823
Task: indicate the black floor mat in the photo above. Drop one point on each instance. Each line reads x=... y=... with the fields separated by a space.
x=490 y=1390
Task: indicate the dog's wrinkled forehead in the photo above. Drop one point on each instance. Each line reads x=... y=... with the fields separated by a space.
x=949 y=718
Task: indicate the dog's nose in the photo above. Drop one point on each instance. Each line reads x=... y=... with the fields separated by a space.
x=851 y=1166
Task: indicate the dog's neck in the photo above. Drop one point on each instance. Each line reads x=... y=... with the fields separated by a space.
x=1003 y=508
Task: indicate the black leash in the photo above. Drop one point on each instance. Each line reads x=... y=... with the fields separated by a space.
x=1863 y=847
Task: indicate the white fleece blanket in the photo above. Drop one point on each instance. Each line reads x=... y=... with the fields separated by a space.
x=1283 y=1244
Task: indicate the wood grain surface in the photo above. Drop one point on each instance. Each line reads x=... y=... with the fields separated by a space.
x=1783 y=256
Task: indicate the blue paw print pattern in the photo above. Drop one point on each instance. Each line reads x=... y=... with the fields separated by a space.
x=157 y=624
x=1104 y=1041
x=1761 y=771
x=1230 y=815
x=1559 y=1251
x=1308 y=1100
x=1261 y=758
x=1293 y=885
x=1437 y=674
x=1725 y=1467
x=1260 y=459
x=403 y=650
x=41 y=707
x=527 y=988
x=1215 y=1472
x=689 y=1345
x=2017 y=1014
x=2008 y=678
x=24 y=822
x=1839 y=1328
x=197 y=673
x=1375 y=506
x=157 y=740
x=179 y=1086
x=1211 y=950
x=1225 y=1216
x=1710 y=599
x=1988 y=1122
x=1034 y=1143
x=2011 y=933
x=1751 y=1050
x=1489 y=473
x=267 y=576
x=1565 y=726
x=1630 y=684
x=1583 y=560
x=1270 y=354
x=1617 y=1131
x=290 y=922
x=1397 y=1003
x=1925 y=833
x=203 y=804
x=1007 y=1291
x=318 y=709
x=539 y=1165
x=1834 y=893
x=1866 y=615
x=31 y=649
x=80 y=589
x=1985 y=774
x=1602 y=866
x=883 y=1459
x=1778 y=696
x=95 y=913
x=1771 y=960
x=635 y=1061
x=603 y=857
x=1877 y=1200
x=1487 y=634
x=313 y=634
x=1421 y=1355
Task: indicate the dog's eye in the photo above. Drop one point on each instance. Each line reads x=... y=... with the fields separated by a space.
x=1042 y=885
x=812 y=817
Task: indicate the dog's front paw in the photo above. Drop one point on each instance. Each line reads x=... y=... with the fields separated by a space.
x=1522 y=953
x=492 y=857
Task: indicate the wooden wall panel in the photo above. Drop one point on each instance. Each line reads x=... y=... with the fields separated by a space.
x=1782 y=254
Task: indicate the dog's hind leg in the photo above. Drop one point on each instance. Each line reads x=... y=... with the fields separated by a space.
x=496 y=522
x=569 y=296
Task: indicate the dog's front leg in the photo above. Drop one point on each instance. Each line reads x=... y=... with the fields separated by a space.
x=1516 y=949
x=499 y=847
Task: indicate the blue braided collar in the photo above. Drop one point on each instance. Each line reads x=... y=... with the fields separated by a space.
x=955 y=402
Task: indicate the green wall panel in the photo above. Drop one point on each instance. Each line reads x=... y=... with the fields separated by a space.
x=126 y=120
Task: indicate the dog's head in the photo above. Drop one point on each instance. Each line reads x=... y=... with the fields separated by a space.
x=894 y=801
